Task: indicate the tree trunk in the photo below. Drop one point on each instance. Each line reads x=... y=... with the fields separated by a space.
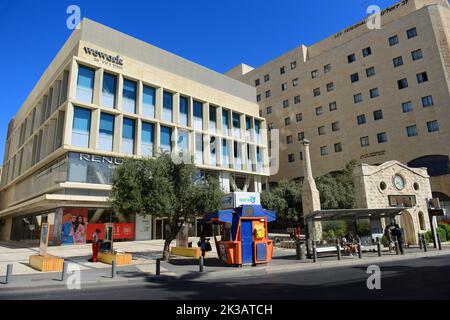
x=174 y=229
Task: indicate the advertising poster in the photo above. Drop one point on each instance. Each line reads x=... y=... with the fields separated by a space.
x=44 y=239
x=74 y=226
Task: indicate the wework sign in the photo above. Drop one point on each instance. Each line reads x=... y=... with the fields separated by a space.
x=117 y=60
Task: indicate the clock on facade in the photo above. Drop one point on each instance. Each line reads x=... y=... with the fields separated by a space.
x=399 y=182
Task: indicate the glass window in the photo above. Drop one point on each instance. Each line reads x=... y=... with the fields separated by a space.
x=148 y=101
x=225 y=122
x=287 y=121
x=257 y=82
x=293 y=65
x=183 y=141
x=212 y=119
x=333 y=106
x=109 y=90
x=128 y=134
x=167 y=106
x=314 y=73
x=316 y=92
x=382 y=137
x=422 y=77
x=106 y=132
x=367 y=52
x=129 y=96
x=184 y=111
x=166 y=139
x=299 y=117
x=282 y=70
x=319 y=111
x=259 y=160
x=284 y=87
x=374 y=93
x=407 y=107
x=351 y=58
x=330 y=87
x=402 y=84
x=85 y=84
x=291 y=158
x=427 y=101
x=269 y=110
x=364 y=141
x=301 y=136
x=398 y=61
x=81 y=127
x=237 y=150
x=198 y=148
x=248 y=128
x=411 y=131
x=393 y=40
x=268 y=94
x=266 y=78
x=357 y=98
x=147 y=139
x=295 y=82
x=335 y=126
x=297 y=99
x=324 y=151
x=285 y=103
x=370 y=72
x=338 y=147
x=198 y=115
x=378 y=115
x=354 y=77
x=417 y=54
x=213 y=151
x=321 y=130
x=411 y=33
x=432 y=126
x=289 y=140
x=258 y=97
x=361 y=119
x=236 y=125
x=327 y=68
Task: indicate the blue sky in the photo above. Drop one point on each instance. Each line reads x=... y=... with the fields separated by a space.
x=216 y=34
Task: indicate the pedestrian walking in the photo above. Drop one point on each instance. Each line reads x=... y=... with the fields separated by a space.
x=397 y=232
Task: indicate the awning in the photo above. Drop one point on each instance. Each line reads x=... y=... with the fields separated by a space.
x=221 y=216
x=353 y=214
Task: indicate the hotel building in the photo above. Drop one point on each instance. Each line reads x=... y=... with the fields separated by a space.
x=372 y=95
x=107 y=96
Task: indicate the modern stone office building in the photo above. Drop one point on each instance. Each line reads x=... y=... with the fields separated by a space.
x=107 y=96
x=369 y=95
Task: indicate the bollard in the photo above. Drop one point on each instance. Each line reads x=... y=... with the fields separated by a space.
x=425 y=249
x=201 y=264
x=379 y=247
x=9 y=271
x=338 y=249
x=314 y=252
x=158 y=266
x=397 y=249
x=297 y=250
x=439 y=241
x=113 y=269
x=359 y=249
x=302 y=251
x=420 y=241
x=64 y=270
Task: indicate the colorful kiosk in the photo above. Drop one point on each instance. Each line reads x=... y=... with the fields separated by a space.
x=244 y=237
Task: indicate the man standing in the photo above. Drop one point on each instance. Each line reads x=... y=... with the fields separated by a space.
x=95 y=245
x=397 y=232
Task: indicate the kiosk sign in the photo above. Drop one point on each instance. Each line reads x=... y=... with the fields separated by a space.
x=43 y=241
x=237 y=199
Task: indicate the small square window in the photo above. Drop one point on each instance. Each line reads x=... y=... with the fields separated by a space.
x=293 y=65
x=354 y=77
x=323 y=151
x=398 y=62
x=378 y=115
x=364 y=141
x=270 y=126
x=314 y=74
x=382 y=137
x=321 y=130
x=422 y=77
x=301 y=156
x=282 y=70
x=367 y=52
x=284 y=87
x=335 y=126
x=258 y=97
x=357 y=98
x=411 y=33
x=393 y=40
x=333 y=106
x=374 y=93
x=291 y=158
x=407 y=107
x=361 y=119
x=338 y=147
x=295 y=82
x=316 y=92
x=330 y=87
x=370 y=72
x=289 y=140
x=257 y=82
x=327 y=68
x=301 y=136
x=351 y=58
x=286 y=103
x=266 y=78
x=268 y=94
x=260 y=113
x=411 y=131
x=287 y=121
x=427 y=101
x=319 y=111
x=402 y=84
x=269 y=110
x=299 y=117
x=432 y=126
x=417 y=54
x=297 y=99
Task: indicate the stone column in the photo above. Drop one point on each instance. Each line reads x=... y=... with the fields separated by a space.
x=310 y=195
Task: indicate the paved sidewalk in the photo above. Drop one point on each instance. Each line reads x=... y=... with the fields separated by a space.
x=146 y=252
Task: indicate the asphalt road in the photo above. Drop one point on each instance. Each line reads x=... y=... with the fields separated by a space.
x=423 y=278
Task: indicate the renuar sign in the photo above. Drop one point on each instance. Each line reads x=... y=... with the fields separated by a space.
x=236 y=199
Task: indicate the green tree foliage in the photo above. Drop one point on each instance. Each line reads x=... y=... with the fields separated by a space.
x=333 y=229
x=162 y=188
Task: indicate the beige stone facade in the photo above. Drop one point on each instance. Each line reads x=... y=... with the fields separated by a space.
x=308 y=92
x=73 y=127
